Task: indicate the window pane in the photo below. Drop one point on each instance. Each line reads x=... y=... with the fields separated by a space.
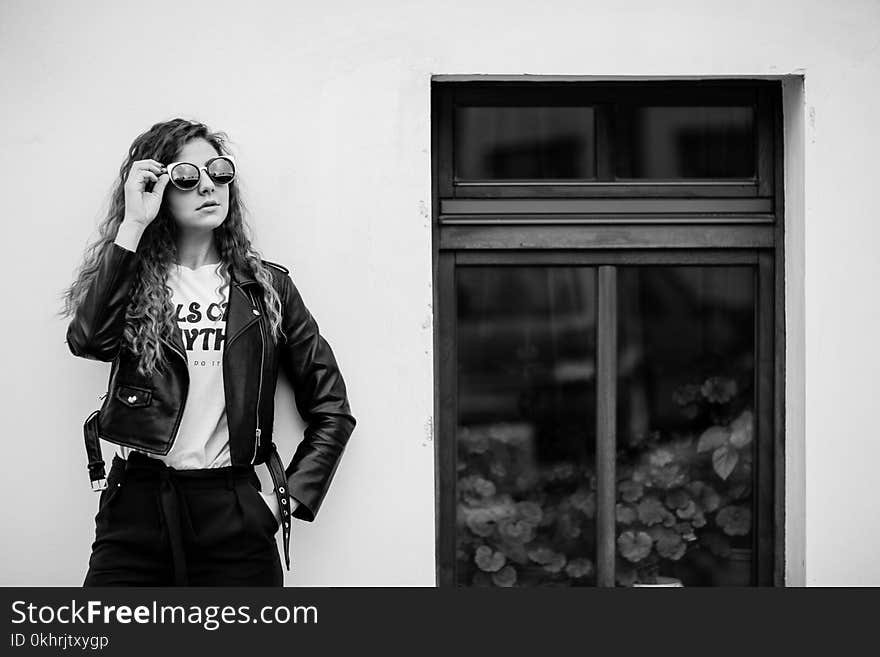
x=685 y=424
x=685 y=142
x=525 y=479
x=527 y=143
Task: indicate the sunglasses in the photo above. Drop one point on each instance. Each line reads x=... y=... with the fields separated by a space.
x=185 y=175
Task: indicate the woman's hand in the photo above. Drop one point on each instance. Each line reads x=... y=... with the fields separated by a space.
x=142 y=206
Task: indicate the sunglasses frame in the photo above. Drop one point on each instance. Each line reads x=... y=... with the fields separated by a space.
x=204 y=168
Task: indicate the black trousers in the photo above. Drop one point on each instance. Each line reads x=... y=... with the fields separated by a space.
x=157 y=526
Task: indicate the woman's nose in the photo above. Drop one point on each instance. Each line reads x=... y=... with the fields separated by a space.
x=205 y=182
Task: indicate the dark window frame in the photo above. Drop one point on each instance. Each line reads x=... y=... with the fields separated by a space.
x=605 y=224
x=603 y=97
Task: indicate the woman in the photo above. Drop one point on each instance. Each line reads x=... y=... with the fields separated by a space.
x=196 y=325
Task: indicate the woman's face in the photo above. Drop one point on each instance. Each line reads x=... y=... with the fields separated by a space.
x=186 y=206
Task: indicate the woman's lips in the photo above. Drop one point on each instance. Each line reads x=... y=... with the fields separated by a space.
x=208 y=207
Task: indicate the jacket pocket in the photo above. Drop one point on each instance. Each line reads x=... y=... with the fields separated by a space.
x=133 y=396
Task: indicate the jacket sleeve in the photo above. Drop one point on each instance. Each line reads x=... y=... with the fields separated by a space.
x=321 y=400
x=96 y=328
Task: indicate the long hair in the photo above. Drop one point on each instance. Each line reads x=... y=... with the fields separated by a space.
x=150 y=316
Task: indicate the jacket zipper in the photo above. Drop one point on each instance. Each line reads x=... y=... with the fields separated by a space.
x=185 y=394
x=260 y=385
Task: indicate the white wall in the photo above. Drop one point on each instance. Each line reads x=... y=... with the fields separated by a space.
x=328 y=103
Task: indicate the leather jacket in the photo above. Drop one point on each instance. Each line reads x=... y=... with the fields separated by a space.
x=144 y=412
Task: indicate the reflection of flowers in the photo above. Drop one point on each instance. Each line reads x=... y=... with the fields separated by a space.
x=630 y=490
x=542 y=555
x=712 y=438
x=579 y=568
x=652 y=512
x=741 y=430
x=526 y=522
x=734 y=520
x=476 y=486
x=507 y=507
x=660 y=457
x=584 y=501
x=668 y=476
x=634 y=546
x=477 y=442
x=569 y=526
x=688 y=486
x=505 y=577
x=725 y=443
x=556 y=564
x=487 y=560
x=510 y=433
x=670 y=545
x=626 y=515
x=518 y=531
x=708 y=499
x=677 y=499
x=686 y=531
x=718 y=389
x=530 y=512
x=724 y=460
x=484 y=487
x=479 y=521
x=562 y=471
x=500 y=508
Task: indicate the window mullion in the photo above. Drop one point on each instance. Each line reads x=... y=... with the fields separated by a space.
x=606 y=415
x=604 y=143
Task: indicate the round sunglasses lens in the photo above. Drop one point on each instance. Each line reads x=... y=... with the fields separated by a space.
x=222 y=171
x=185 y=176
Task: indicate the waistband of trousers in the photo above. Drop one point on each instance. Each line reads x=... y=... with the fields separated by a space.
x=140 y=467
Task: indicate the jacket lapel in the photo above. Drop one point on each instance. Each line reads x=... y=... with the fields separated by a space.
x=239 y=313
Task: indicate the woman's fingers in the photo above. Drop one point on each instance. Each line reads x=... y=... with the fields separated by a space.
x=145 y=165
x=161 y=181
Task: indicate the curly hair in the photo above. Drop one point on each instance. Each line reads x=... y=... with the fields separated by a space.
x=150 y=314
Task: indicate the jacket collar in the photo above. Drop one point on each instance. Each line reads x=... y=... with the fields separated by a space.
x=241 y=277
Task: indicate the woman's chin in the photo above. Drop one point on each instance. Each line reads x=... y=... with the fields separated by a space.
x=208 y=221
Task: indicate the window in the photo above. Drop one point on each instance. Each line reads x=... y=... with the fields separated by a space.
x=608 y=289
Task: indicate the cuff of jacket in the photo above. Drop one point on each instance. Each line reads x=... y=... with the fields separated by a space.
x=310 y=474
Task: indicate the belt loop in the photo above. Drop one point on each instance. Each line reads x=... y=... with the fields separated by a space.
x=230 y=481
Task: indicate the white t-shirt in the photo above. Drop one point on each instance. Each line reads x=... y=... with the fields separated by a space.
x=203 y=435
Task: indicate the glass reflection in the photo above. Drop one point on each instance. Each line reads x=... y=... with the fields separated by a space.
x=685 y=142
x=685 y=425
x=528 y=143
x=526 y=426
